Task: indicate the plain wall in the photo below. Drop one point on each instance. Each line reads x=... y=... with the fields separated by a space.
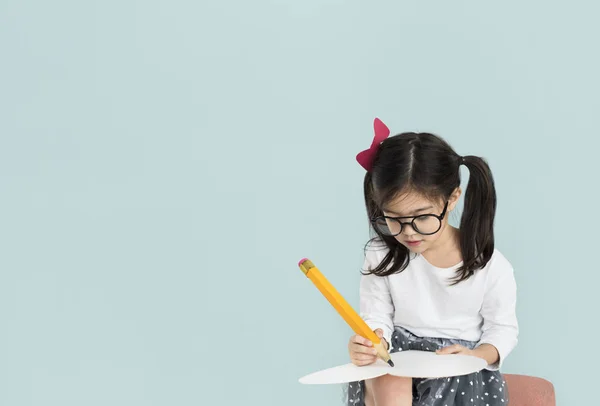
x=165 y=165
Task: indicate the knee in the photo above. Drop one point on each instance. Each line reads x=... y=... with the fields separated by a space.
x=389 y=390
x=391 y=382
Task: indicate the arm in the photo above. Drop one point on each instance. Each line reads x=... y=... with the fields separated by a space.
x=376 y=307
x=500 y=327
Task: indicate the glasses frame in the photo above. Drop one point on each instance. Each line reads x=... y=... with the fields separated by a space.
x=411 y=223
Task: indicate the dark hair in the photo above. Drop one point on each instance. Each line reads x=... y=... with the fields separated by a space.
x=426 y=164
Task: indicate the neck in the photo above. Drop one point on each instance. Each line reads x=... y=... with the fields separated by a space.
x=447 y=247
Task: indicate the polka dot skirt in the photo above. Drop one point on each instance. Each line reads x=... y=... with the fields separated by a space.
x=483 y=388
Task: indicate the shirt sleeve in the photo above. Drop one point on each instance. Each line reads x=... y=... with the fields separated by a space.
x=500 y=326
x=376 y=307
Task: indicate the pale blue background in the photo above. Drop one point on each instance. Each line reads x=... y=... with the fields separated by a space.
x=164 y=166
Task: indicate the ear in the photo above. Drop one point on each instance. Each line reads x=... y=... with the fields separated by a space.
x=453 y=200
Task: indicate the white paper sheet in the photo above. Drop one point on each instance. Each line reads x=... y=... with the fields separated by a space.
x=413 y=364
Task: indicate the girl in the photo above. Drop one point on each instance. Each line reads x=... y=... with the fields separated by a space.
x=427 y=285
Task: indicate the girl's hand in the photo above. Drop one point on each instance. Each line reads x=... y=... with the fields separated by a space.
x=487 y=352
x=456 y=349
x=362 y=351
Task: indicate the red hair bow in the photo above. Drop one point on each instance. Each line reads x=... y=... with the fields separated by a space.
x=365 y=158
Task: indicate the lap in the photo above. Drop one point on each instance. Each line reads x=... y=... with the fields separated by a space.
x=485 y=387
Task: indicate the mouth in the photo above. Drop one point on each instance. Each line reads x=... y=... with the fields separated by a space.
x=413 y=243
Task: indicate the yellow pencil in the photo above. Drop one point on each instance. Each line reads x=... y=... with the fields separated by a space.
x=343 y=308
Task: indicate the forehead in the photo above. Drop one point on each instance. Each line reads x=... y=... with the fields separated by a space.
x=410 y=203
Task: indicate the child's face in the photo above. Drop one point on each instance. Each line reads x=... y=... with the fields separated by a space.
x=412 y=204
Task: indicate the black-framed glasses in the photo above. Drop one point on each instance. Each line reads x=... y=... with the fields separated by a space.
x=426 y=224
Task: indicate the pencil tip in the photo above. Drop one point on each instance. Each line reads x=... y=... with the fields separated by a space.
x=391 y=362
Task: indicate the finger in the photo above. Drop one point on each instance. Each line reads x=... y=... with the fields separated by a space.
x=363 y=341
x=379 y=332
x=454 y=349
x=449 y=350
x=359 y=362
x=361 y=349
x=364 y=357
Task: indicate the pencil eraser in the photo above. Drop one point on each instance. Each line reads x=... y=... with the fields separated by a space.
x=302 y=260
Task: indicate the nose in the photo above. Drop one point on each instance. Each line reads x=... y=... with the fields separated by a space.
x=408 y=230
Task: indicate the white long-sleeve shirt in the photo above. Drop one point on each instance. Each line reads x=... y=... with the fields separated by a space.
x=420 y=299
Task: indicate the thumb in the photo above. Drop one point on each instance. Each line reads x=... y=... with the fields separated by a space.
x=379 y=332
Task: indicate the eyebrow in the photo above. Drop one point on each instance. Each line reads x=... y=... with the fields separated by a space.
x=414 y=212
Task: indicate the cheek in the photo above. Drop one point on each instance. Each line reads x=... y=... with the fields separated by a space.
x=431 y=238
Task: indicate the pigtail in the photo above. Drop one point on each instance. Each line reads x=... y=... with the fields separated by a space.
x=477 y=222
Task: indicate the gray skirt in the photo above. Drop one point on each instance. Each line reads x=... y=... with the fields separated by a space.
x=483 y=388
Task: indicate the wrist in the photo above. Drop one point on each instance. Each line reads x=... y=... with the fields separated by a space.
x=476 y=352
x=487 y=352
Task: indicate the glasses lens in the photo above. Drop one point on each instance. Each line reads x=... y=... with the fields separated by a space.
x=427 y=224
x=387 y=226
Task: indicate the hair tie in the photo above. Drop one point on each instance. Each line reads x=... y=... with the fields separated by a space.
x=365 y=158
